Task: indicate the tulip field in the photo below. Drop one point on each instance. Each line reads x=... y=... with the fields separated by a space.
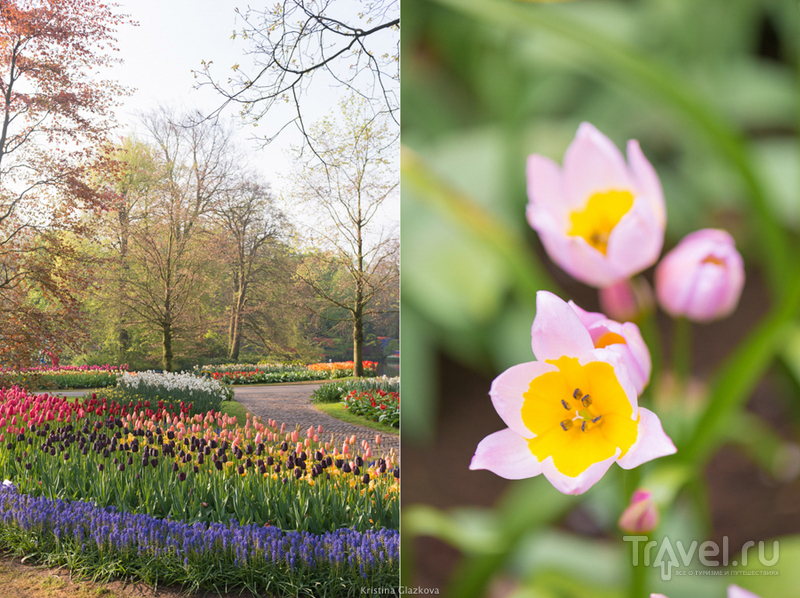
x=149 y=479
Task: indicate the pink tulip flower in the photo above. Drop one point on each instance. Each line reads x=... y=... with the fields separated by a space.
x=641 y=515
x=599 y=218
x=702 y=278
x=571 y=414
x=623 y=339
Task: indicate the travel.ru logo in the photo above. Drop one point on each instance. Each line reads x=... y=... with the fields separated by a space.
x=671 y=555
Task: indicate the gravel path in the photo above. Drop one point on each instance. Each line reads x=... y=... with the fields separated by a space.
x=291 y=404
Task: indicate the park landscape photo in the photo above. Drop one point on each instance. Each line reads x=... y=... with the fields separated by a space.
x=199 y=354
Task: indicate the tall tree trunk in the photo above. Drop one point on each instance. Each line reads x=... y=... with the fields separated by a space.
x=237 y=317
x=166 y=330
x=123 y=336
x=358 y=335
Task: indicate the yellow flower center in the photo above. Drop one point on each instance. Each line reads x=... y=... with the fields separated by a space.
x=580 y=415
x=599 y=216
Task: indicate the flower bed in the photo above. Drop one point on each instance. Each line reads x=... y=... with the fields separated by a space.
x=122 y=489
x=375 y=405
x=201 y=394
x=275 y=373
x=335 y=392
x=106 y=541
x=48 y=378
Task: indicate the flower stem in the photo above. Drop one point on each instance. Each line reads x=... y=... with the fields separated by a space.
x=682 y=352
x=637 y=588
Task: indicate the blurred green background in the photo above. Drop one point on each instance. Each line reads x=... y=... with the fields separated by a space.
x=710 y=90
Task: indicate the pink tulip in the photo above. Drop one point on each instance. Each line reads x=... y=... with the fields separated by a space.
x=319 y=429
x=702 y=278
x=571 y=414
x=367 y=453
x=378 y=439
x=623 y=339
x=641 y=515
x=316 y=438
x=599 y=219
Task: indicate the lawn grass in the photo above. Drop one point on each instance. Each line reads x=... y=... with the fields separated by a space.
x=338 y=411
x=234 y=409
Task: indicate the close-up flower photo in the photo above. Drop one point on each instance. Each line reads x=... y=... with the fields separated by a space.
x=600 y=298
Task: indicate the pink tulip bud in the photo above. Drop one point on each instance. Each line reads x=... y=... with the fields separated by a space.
x=316 y=438
x=346 y=449
x=310 y=432
x=295 y=436
x=319 y=429
x=353 y=439
x=308 y=442
x=378 y=439
x=702 y=278
x=627 y=300
x=283 y=428
x=367 y=453
x=641 y=515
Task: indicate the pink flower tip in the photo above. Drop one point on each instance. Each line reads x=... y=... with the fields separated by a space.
x=641 y=515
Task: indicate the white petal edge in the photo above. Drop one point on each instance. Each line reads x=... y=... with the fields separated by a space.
x=507 y=392
x=557 y=331
x=651 y=443
x=506 y=454
x=583 y=481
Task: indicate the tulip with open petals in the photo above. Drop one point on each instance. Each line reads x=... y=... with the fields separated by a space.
x=599 y=218
x=571 y=414
x=702 y=278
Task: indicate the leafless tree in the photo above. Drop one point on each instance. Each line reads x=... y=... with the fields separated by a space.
x=350 y=44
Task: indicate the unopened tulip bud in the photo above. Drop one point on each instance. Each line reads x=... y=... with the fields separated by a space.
x=702 y=278
x=641 y=515
x=378 y=439
x=319 y=429
x=627 y=300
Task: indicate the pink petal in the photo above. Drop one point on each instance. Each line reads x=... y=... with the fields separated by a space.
x=546 y=188
x=580 y=484
x=652 y=442
x=556 y=330
x=647 y=181
x=506 y=454
x=572 y=253
x=587 y=318
x=592 y=163
x=507 y=390
x=735 y=591
x=635 y=243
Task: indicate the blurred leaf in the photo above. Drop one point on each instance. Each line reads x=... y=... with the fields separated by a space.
x=549 y=553
x=777 y=159
x=471 y=530
x=418 y=365
x=603 y=56
x=777 y=579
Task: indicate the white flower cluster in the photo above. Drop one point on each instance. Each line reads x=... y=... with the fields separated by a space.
x=171 y=381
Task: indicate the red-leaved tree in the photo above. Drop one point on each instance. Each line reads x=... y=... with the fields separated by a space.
x=54 y=123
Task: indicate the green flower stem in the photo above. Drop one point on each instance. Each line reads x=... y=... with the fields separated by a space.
x=682 y=352
x=740 y=373
x=605 y=58
x=638 y=588
x=464 y=211
x=652 y=338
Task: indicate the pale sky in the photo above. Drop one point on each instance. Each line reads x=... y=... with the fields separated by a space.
x=172 y=39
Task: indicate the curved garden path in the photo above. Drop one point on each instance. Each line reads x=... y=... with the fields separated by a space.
x=291 y=404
